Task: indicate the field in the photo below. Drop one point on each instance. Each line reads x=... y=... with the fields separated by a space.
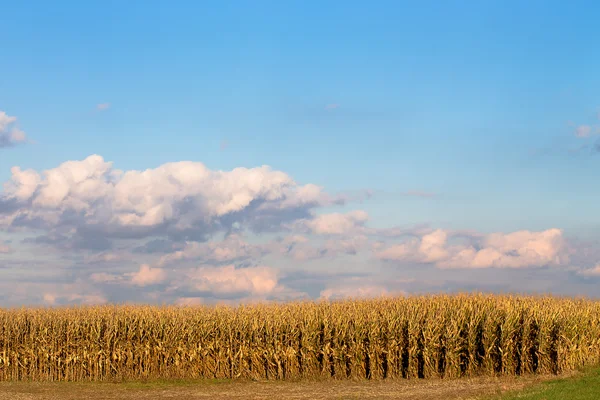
x=484 y=388
x=434 y=337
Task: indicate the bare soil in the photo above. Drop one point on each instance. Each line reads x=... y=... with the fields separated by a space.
x=476 y=388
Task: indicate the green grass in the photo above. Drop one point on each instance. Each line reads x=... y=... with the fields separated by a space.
x=583 y=386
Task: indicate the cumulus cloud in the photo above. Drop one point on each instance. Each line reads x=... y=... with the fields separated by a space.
x=43 y=291
x=334 y=223
x=355 y=291
x=229 y=281
x=583 y=131
x=590 y=272
x=300 y=248
x=520 y=249
x=53 y=299
x=10 y=134
x=427 y=249
x=103 y=277
x=190 y=301
x=104 y=257
x=232 y=248
x=362 y=287
x=158 y=246
x=181 y=200
x=148 y=276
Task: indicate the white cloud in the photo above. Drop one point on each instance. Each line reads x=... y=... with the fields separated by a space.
x=183 y=200
x=520 y=249
x=9 y=133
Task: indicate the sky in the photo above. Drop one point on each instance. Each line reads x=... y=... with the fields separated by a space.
x=238 y=151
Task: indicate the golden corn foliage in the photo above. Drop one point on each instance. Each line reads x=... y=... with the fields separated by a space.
x=414 y=337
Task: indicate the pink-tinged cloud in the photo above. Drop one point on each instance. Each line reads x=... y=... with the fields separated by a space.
x=230 y=249
x=148 y=276
x=228 y=280
x=332 y=106
x=53 y=299
x=5 y=249
x=104 y=257
x=65 y=294
x=590 y=272
x=583 y=131
x=10 y=134
x=190 y=301
x=362 y=287
x=103 y=277
x=103 y=106
x=520 y=249
x=337 y=223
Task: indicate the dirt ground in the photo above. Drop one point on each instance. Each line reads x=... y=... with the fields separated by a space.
x=393 y=389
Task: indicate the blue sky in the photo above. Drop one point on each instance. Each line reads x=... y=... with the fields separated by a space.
x=475 y=103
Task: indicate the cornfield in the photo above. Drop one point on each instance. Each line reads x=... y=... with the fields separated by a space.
x=414 y=337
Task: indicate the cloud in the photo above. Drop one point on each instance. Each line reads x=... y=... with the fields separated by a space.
x=104 y=257
x=363 y=287
x=229 y=281
x=54 y=299
x=183 y=233
x=178 y=201
x=332 y=106
x=103 y=106
x=333 y=224
x=520 y=249
x=590 y=272
x=356 y=291
x=159 y=246
x=5 y=249
x=232 y=248
x=583 y=131
x=190 y=301
x=300 y=248
x=103 y=277
x=148 y=276
x=10 y=135
x=39 y=292
x=429 y=248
